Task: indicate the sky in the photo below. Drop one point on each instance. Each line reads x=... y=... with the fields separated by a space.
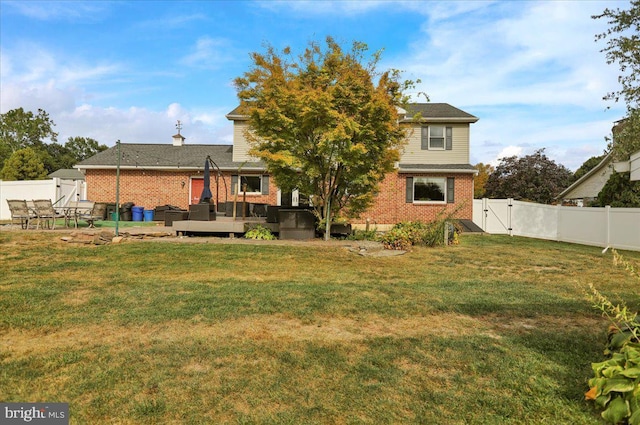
x=531 y=71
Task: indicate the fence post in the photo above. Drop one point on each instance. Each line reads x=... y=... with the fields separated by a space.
x=607 y=217
x=558 y=229
x=509 y=212
x=485 y=212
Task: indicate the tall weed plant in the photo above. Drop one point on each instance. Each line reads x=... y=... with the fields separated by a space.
x=406 y=234
x=615 y=387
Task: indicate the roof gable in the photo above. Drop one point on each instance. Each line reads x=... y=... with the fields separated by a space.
x=572 y=192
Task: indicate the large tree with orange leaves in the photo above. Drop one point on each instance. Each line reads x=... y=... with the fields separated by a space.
x=322 y=124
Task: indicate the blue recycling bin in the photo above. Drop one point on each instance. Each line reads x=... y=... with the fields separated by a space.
x=137 y=213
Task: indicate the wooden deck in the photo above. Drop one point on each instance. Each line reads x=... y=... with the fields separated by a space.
x=222 y=224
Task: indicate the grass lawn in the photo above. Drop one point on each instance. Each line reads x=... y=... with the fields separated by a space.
x=496 y=330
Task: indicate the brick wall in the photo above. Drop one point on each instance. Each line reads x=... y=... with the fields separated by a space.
x=150 y=188
x=390 y=205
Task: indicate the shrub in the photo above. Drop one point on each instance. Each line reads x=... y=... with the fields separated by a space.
x=616 y=384
x=399 y=237
x=259 y=232
x=364 y=235
x=406 y=234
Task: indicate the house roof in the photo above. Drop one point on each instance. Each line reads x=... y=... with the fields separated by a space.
x=438 y=112
x=437 y=168
x=67 y=174
x=166 y=157
x=606 y=161
x=430 y=112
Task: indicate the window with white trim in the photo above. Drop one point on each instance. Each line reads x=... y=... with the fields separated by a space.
x=422 y=190
x=251 y=184
x=437 y=138
x=429 y=189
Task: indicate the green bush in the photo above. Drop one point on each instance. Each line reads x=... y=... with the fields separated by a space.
x=364 y=235
x=615 y=387
x=259 y=232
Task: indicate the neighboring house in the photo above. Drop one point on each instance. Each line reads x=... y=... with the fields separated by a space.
x=67 y=174
x=631 y=166
x=585 y=190
x=433 y=174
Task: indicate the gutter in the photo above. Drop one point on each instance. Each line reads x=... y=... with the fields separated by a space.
x=155 y=167
x=443 y=120
x=437 y=171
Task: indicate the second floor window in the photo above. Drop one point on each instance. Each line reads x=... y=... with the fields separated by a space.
x=437 y=137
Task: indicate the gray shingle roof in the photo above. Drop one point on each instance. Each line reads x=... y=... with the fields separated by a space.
x=67 y=174
x=414 y=168
x=438 y=111
x=166 y=156
x=429 y=112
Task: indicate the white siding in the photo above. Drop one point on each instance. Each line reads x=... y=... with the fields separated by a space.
x=414 y=154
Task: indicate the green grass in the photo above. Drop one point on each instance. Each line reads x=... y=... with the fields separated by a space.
x=493 y=331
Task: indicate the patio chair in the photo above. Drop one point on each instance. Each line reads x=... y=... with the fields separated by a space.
x=97 y=213
x=45 y=213
x=20 y=211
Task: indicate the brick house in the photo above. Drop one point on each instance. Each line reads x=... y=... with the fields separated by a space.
x=433 y=173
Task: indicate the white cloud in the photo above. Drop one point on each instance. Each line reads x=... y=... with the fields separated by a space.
x=307 y=7
x=506 y=152
x=543 y=54
x=34 y=78
x=209 y=53
x=171 y=22
x=138 y=125
x=59 y=10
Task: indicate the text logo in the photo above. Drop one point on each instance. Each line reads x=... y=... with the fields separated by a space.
x=34 y=413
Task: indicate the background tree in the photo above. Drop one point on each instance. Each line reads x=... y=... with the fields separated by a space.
x=82 y=148
x=23 y=164
x=623 y=48
x=321 y=125
x=533 y=178
x=587 y=166
x=620 y=191
x=480 y=181
x=56 y=156
x=20 y=129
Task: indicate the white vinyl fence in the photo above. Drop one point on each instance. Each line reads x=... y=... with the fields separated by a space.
x=604 y=227
x=61 y=192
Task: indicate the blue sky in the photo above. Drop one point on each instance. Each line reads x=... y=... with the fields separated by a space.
x=116 y=70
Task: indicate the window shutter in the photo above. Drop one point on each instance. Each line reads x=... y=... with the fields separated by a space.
x=409 y=190
x=424 y=144
x=265 y=184
x=450 y=190
x=449 y=138
x=234 y=184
